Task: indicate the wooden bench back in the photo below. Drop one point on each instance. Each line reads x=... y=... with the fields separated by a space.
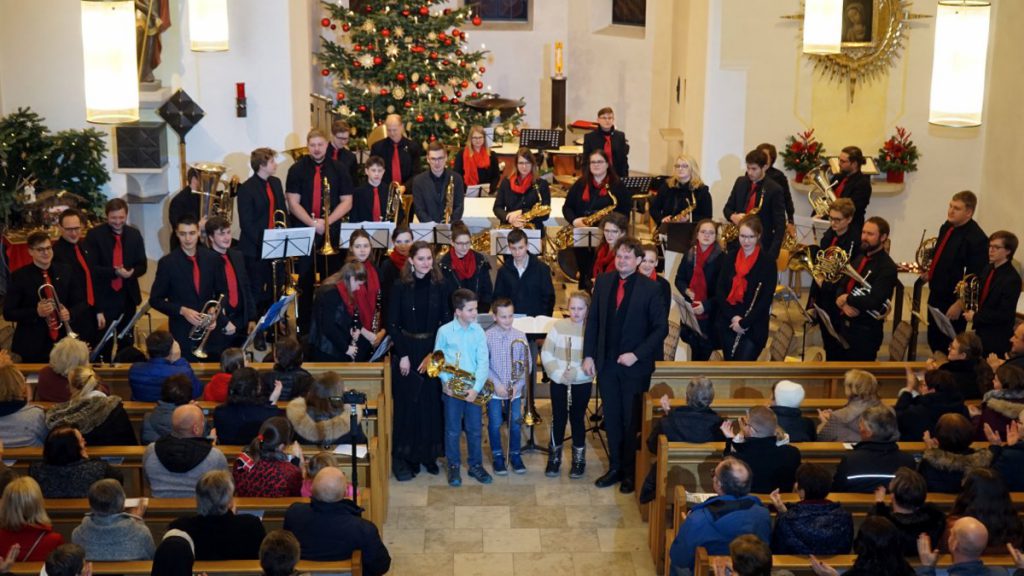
x=144 y=567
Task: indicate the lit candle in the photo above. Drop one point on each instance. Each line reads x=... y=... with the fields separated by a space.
x=558 y=58
x=240 y=90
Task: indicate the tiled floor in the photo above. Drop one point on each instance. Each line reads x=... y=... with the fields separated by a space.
x=519 y=525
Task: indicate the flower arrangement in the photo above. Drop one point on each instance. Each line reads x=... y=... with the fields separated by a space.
x=802 y=153
x=899 y=153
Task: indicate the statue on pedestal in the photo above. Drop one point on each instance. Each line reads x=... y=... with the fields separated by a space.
x=152 y=17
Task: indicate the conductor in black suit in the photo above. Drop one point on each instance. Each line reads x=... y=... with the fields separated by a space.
x=430 y=189
x=755 y=192
x=626 y=326
x=401 y=155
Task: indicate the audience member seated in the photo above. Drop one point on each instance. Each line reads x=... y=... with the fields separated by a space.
x=314 y=465
x=714 y=523
x=757 y=440
x=7 y=474
x=786 y=399
x=842 y=425
x=279 y=553
x=922 y=402
x=66 y=470
x=1009 y=456
x=109 y=533
x=1015 y=356
x=877 y=547
x=910 y=513
x=21 y=424
x=263 y=468
x=216 y=389
x=330 y=527
x=217 y=532
x=874 y=460
x=1003 y=404
x=248 y=406
x=101 y=419
x=23 y=521
x=147 y=378
x=968 y=539
x=67 y=353
x=66 y=560
x=174 y=463
x=985 y=497
x=175 y=391
x=694 y=422
x=175 y=555
x=320 y=417
x=972 y=374
x=295 y=380
x=815 y=525
x=750 y=556
x=949 y=455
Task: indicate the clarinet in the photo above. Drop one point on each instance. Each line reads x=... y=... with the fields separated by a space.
x=375 y=325
x=736 y=343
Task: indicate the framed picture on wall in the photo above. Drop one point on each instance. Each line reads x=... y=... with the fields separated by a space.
x=859 y=18
x=517 y=11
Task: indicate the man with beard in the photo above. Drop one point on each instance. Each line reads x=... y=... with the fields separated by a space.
x=852 y=183
x=863 y=309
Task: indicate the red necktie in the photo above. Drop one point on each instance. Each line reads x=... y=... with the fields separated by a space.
x=835 y=240
x=118 y=282
x=273 y=206
x=229 y=271
x=620 y=293
x=396 y=166
x=376 y=205
x=318 y=192
x=195 y=272
x=54 y=327
x=860 y=268
x=89 y=296
x=988 y=284
x=334 y=155
x=842 y=185
x=608 y=147
x=938 y=252
x=753 y=196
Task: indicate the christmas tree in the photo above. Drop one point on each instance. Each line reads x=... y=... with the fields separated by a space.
x=412 y=60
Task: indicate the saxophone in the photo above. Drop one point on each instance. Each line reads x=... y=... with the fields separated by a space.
x=449 y=199
x=564 y=239
x=730 y=231
x=481 y=241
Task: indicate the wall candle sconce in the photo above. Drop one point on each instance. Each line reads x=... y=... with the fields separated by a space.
x=241 y=109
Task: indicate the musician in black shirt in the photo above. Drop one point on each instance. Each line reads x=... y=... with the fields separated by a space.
x=73 y=253
x=863 y=309
x=185 y=203
x=779 y=177
x=337 y=150
x=755 y=193
x=401 y=155
x=613 y=142
x=683 y=191
x=239 y=305
x=522 y=192
x=999 y=287
x=261 y=206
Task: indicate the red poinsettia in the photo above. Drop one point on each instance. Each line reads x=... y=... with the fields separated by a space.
x=802 y=152
x=898 y=153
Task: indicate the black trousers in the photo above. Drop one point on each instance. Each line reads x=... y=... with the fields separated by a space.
x=304 y=267
x=562 y=413
x=864 y=339
x=585 y=266
x=622 y=389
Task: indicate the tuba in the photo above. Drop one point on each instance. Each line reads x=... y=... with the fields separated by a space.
x=216 y=195
x=564 y=238
x=297 y=153
x=820 y=195
x=201 y=332
x=53 y=321
x=967 y=291
x=461 y=380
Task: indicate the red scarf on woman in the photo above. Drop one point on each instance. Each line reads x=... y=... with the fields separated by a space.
x=366 y=296
x=473 y=161
x=605 y=260
x=398 y=259
x=744 y=264
x=699 y=283
x=465 y=267
x=602 y=189
x=347 y=299
x=520 y=185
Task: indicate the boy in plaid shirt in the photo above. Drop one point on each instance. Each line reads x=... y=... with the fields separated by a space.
x=502 y=353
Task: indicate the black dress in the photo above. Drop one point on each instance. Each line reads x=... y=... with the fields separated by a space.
x=755 y=308
x=416 y=311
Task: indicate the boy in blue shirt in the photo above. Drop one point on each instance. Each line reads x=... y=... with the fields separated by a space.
x=465 y=346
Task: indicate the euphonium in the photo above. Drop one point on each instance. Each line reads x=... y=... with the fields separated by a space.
x=820 y=195
x=325 y=207
x=202 y=331
x=461 y=381
x=53 y=321
x=564 y=238
x=214 y=200
x=967 y=291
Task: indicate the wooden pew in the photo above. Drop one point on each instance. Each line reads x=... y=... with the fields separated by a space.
x=800 y=565
x=144 y=567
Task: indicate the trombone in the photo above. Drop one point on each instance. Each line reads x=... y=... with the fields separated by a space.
x=290 y=279
x=47 y=293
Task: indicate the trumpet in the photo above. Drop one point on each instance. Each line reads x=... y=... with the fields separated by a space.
x=461 y=380
x=967 y=291
x=47 y=293
x=325 y=207
x=206 y=327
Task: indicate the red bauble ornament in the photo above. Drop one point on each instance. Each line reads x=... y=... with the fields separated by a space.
x=368 y=9
x=425 y=11
x=445 y=62
x=362 y=108
x=405 y=12
x=419 y=118
x=400 y=76
x=356 y=64
x=426 y=77
x=325 y=72
x=341 y=95
x=480 y=85
x=482 y=69
x=433 y=55
x=448 y=42
x=432 y=83
x=458 y=53
x=346 y=27
x=446 y=115
x=419 y=49
x=413 y=86
x=444 y=98
x=465 y=83
x=462 y=63
x=477 y=21
x=433 y=138
x=385 y=32
x=456 y=32
x=377 y=60
x=325 y=22
x=475 y=94
x=447 y=11
x=457 y=93
x=383 y=91
x=408 y=104
x=334 y=27
x=455 y=100
x=441 y=35
x=356 y=48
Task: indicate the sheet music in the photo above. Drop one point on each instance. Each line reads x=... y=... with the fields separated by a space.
x=478 y=190
x=346 y=449
x=686 y=314
x=533 y=324
x=939 y=318
x=422 y=231
x=380 y=233
x=382 y=349
x=826 y=321
x=284 y=242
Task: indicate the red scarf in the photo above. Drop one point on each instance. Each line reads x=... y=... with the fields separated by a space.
x=699 y=283
x=654 y=275
x=465 y=267
x=744 y=264
x=472 y=162
x=602 y=189
x=366 y=296
x=605 y=260
x=347 y=299
x=521 y=185
x=398 y=259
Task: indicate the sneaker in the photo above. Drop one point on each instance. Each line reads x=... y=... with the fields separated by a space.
x=455 y=477
x=517 y=463
x=499 y=465
x=479 y=474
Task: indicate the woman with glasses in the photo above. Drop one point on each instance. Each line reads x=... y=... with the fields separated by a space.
x=697 y=280
x=468 y=268
x=744 y=294
x=684 y=190
x=521 y=192
x=370 y=297
x=475 y=162
x=843 y=234
x=593 y=191
x=999 y=290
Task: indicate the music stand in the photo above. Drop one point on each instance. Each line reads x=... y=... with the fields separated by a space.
x=287 y=242
x=422 y=231
x=587 y=237
x=637 y=184
x=272 y=316
x=499 y=241
x=443 y=234
x=478 y=191
x=380 y=233
x=111 y=330
x=541 y=138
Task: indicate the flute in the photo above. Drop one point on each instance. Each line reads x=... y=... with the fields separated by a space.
x=736 y=343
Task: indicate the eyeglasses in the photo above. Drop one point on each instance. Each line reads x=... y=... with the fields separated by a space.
x=592 y=162
x=996 y=247
x=438 y=159
x=707 y=232
x=748 y=236
x=834 y=219
x=678 y=166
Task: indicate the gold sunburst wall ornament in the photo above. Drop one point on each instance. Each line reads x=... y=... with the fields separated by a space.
x=873 y=34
